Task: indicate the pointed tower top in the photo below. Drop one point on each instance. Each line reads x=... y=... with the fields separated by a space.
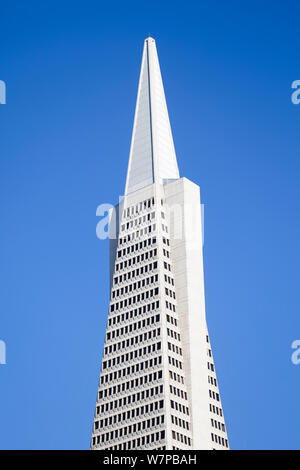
x=152 y=153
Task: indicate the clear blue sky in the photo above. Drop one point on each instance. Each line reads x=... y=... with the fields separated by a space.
x=71 y=70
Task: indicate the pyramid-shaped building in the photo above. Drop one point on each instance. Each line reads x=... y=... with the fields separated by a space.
x=158 y=387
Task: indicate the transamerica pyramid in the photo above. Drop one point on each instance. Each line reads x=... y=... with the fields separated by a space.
x=158 y=387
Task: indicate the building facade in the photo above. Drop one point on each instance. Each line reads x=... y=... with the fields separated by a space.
x=158 y=387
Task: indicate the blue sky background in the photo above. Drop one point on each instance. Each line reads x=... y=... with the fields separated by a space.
x=71 y=70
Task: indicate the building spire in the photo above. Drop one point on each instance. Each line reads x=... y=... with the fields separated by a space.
x=152 y=153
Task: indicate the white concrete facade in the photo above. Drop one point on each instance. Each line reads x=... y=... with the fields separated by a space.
x=187 y=258
x=152 y=153
x=158 y=386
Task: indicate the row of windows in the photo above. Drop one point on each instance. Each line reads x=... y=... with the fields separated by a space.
x=170 y=293
x=130 y=237
x=212 y=381
x=166 y=241
x=136 y=397
x=137 y=246
x=139 y=442
x=152 y=348
x=214 y=395
x=173 y=334
x=138 y=221
x=179 y=407
x=215 y=409
x=217 y=424
x=180 y=422
x=176 y=377
x=151 y=320
x=129 y=414
x=181 y=438
x=124 y=446
x=219 y=440
x=128 y=329
x=136 y=259
x=171 y=319
x=167 y=266
x=143 y=394
x=132 y=428
x=137 y=208
x=118 y=374
x=134 y=286
x=131 y=384
x=169 y=280
x=174 y=362
x=166 y=253
x=174 y=348
x=164 y=228
x=142 y=232
x=177 y=391
x=135 y=299
x=136 y=272
x=210 y=366
x=133 y=313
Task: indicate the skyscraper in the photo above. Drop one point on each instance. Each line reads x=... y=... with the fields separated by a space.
x=158 y=387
